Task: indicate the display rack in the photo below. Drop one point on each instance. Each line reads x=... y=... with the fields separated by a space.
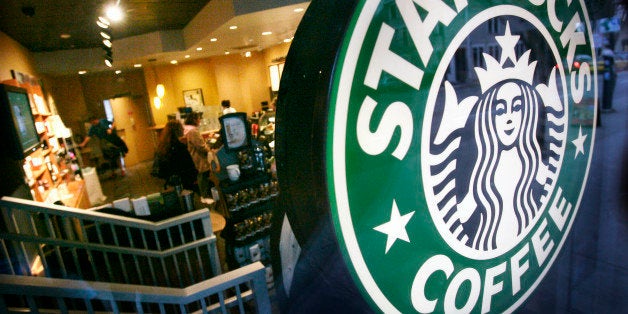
x=249 y=203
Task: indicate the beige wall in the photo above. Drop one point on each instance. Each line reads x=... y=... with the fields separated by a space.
x=244 y=81
x=14 y=57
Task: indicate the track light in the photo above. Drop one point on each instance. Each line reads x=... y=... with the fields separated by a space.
x=103 y=22
x=105 y=34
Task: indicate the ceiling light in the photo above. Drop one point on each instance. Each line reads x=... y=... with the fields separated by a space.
x=199 y=48
x=297 y=10
x=65 y=36
x=213 y=39
x=107 y=43
x=173 y=62
x=267 y=33
x=187 y=56
x=137 y=65
x=287 y=40
x=103 y=22
x=108 y=62
x=233 y=27
x=114 y=13
x=226 y=52
x=105 y=34
x=81 y=72
x=118 y=71
x=247 y=54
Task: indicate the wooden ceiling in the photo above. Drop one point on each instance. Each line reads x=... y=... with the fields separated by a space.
x=39 y=24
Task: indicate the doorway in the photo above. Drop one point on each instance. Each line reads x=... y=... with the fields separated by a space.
x=132 y=124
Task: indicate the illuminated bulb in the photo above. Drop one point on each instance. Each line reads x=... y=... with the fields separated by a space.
x=161 y=90
x=157 y=102
x=114 y=13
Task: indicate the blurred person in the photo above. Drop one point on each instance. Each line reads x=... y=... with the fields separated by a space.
x=226 y=107
x=175 y=162
x=203 y=156
x=112 y=146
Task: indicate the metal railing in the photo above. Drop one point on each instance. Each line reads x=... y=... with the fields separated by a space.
x=81 y=244
x=243 y=289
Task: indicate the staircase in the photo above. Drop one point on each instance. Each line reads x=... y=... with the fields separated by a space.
x=64 y=259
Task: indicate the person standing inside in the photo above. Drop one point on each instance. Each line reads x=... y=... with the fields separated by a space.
x=175 y=162
x=226 y=107
x=112 y=146
x=202 y=155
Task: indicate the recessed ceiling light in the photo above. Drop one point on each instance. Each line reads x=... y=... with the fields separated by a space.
x=267 y=33
x=187 y=56
x=213 y=39
x=233 y=27
x=297 y=10
x=199 y=48
x=137 y=65
x=81 y=72
x=227 y=52
x=114 y=13
x=287 y=40
x=108 y=63
x=173 y=62
x=118 y=71
x=107 y=42
x=247 y=54
x=65 y=36
x=105 y=35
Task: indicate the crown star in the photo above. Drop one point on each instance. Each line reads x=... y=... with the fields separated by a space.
x=496 y=72
x=508 y=43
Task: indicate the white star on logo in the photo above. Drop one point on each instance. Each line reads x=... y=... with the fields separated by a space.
x=579 y=143
x=396 y=227
x=508 y=43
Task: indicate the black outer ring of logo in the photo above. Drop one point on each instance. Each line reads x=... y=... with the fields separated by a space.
x=322 y=282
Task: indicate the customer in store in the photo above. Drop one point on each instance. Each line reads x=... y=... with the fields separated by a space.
x=226 y=107
x=112 y=146
x=203 y=156
x=175 y=164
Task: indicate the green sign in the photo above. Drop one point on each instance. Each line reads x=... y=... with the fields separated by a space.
x=457 y=157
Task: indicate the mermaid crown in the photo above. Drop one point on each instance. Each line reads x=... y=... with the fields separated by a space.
x=509 y=67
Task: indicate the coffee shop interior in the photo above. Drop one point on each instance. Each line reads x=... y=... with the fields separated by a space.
x=64 y=62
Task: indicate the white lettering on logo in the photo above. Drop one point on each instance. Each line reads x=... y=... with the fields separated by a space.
x=584 y=75
x=420 y=30
x=385 y=60
x=473 y=277
x=517 y=269
x=432 y=265
x=559 y=210
x=541 y=243
x=396 y=115
x=491 y=287
x=572 y=38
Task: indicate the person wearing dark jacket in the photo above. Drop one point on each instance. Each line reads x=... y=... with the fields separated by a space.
x=175 y=162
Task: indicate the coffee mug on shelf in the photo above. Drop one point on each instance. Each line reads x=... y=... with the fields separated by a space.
x=234 y=172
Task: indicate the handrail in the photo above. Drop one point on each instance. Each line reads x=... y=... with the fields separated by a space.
x=38 y=207
x=87 y=290
x=172 y=252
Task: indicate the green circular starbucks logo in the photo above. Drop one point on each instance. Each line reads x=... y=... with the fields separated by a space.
x=459 y=144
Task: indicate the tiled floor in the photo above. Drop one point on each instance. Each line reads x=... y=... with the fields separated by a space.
x=137 y=182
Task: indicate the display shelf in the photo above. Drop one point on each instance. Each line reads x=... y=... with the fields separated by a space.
x=249 y=203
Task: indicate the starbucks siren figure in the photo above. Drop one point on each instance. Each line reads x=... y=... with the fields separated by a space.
x=510 y=175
